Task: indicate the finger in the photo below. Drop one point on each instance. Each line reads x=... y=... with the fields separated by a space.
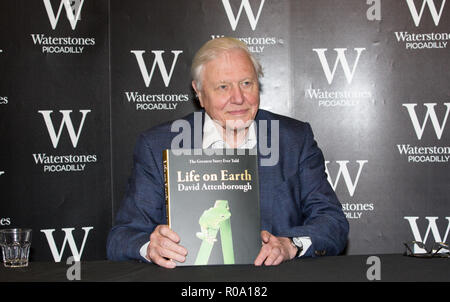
x=278 y=260
x=156 y=235
x=172 y=255
x=274 y=254
x=265 y=236
x=154 y=255
x=168 y=244
x=168 y=233
x=167 y=263
x=263 y=253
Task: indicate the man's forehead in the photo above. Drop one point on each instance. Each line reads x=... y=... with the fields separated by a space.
x=232 y=57
x=229 y=66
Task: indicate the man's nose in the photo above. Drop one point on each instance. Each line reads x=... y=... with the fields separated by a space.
x=237 y=97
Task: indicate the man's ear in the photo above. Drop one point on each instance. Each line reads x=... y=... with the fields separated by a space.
x=198 y=93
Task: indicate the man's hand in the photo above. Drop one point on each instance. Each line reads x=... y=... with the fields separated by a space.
x=275 y=250
x=164 y=248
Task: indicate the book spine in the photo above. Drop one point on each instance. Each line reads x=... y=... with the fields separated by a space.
x=166 y=183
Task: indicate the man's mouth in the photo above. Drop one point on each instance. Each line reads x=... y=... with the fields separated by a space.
x=238 y=112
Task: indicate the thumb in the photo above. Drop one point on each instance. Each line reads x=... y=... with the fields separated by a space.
x=265 y=236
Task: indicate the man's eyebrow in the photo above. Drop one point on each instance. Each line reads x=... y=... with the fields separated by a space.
x=251 y=79
x=241 y=80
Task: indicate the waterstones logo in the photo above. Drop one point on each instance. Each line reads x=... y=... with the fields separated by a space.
x=63 y=163
x=253 y=13
x=352 y=209
x=50 y=44
x=68 y=238
x=5 y=221
x=157 y=61
x=438 y=234
x=67 y=122
x=429 y=115
x=3 y=100
x=159 y=101
x=72 y=9
x=61 y=45
x=332 y=98
x=255 y=44
x=345 y=174
x=426 y=154
x=245 y=5
x=423 y=41
x=433 y=40
x=417 y=15
x=69 y=162
x=341 y=60
x=355 y=210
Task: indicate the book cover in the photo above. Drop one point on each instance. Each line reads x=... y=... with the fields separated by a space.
x=213 y=205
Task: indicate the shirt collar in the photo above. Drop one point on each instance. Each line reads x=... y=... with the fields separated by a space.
x=212 y=135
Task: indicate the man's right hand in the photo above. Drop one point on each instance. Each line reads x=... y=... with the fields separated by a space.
x=164 y=248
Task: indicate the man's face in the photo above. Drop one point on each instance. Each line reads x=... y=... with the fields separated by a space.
x=230 y=89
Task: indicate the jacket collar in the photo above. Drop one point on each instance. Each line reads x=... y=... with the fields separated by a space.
x=262 y=127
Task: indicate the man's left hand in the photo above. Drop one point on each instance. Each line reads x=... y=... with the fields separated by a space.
x=275 y=250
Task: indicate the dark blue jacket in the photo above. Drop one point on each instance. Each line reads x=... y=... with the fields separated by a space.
x=296 y=198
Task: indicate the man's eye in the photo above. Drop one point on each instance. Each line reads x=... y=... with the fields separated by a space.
x=247 y=83
x=223 y=87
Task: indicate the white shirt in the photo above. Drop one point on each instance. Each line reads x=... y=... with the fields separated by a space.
x=212 y=138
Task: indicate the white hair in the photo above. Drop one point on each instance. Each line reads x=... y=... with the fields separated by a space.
x=212 y=49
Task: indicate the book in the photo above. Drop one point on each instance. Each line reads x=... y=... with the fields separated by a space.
x=213 y=205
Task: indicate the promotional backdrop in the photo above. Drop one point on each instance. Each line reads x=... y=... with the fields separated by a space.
x=81 y=79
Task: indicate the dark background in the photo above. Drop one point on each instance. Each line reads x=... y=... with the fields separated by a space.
x=389 y=187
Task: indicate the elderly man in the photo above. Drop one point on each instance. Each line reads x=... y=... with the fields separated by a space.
x=300 y=213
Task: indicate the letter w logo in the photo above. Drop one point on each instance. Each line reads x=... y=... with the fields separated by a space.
x=343 y=171
x=248 y=10
x=417 y=16
x=431 y=113
x=157 y=61
x=66 y=120
x=67 y=238
x=73 y=13
x=431 y=227
x=340 y=59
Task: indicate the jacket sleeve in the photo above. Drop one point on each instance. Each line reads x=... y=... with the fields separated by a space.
x=142 y=209
x=323 y=219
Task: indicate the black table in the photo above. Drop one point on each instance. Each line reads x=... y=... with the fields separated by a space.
x=339 y=268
